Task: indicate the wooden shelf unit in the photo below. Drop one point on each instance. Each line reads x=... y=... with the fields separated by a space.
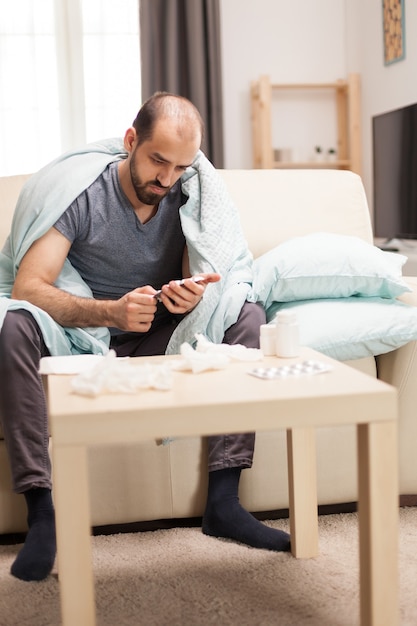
x=348 y=109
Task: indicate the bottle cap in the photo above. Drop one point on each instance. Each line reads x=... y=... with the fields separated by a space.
x=286 y=316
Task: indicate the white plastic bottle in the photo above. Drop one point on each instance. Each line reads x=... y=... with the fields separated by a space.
x=287 y=334
x=267 y=339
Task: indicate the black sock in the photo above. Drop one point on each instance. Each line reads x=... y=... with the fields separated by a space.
x=225 y=517
x=36 y=559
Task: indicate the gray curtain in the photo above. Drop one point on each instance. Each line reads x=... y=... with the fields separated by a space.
x=180 y=53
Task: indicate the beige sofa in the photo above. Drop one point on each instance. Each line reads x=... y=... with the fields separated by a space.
x=150 y=481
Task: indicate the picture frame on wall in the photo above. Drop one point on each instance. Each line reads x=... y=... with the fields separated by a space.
x=393 y=30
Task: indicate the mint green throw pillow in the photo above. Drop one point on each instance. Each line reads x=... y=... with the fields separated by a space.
x=327 y=265
x=352 y=328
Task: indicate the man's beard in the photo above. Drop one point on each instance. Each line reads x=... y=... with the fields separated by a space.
x=142 y=193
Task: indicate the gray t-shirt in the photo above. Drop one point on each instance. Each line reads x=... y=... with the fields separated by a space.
x=112 y=250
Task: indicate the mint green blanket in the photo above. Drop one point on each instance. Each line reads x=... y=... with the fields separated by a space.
x=210 y=223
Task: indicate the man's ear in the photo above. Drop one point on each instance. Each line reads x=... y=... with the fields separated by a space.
x=129 y=139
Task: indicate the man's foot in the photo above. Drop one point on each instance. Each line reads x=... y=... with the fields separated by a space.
x=225 y=517
x=36 y=559
x=232 y=521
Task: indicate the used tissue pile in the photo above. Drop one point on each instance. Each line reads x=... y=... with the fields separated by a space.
x=118 y=375
x=209 y=356
x=121 y=375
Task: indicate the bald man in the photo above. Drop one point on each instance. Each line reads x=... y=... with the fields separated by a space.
x=123 y=235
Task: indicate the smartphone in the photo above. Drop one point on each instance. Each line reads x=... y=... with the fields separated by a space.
x=195 y=279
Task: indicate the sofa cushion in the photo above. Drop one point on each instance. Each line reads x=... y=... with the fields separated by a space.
x=327 y=265
x=352 y=328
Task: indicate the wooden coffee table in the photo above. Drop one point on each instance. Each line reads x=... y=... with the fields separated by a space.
x=228 y=401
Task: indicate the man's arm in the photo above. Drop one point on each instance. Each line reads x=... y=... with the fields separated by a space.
x=35 y=282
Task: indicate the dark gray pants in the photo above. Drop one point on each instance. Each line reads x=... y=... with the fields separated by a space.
x=23 y=412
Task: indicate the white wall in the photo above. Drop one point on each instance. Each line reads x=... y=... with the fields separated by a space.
x=305 y=41
x=383 y=87
x=297 y=41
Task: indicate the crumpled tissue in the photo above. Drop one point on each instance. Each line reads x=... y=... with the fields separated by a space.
x=213 y=356
x=120 y=375
x=238 y=352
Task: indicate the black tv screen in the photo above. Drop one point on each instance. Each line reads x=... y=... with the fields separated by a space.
x=394 y=136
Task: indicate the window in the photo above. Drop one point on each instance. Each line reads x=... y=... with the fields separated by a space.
x=69 y=74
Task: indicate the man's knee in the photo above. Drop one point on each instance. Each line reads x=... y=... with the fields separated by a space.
x=18 y=327
x=246 y=330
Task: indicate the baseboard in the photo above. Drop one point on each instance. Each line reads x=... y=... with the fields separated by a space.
x=191 y=522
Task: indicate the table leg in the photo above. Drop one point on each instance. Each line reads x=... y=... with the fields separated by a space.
x=378 y=523
x=73 y=535
x=302 y=482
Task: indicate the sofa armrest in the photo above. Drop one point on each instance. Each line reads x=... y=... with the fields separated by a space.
x=411 y=296
x=399 y=368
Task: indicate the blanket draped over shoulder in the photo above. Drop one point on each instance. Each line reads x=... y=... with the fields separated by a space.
x=211 y=227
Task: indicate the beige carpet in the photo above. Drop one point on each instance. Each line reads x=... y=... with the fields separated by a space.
x=180 y=577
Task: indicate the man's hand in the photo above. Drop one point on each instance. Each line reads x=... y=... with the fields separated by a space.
x=182 y=298
x=135 y=311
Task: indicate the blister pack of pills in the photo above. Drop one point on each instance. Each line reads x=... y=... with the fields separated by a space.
x=305 y=368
